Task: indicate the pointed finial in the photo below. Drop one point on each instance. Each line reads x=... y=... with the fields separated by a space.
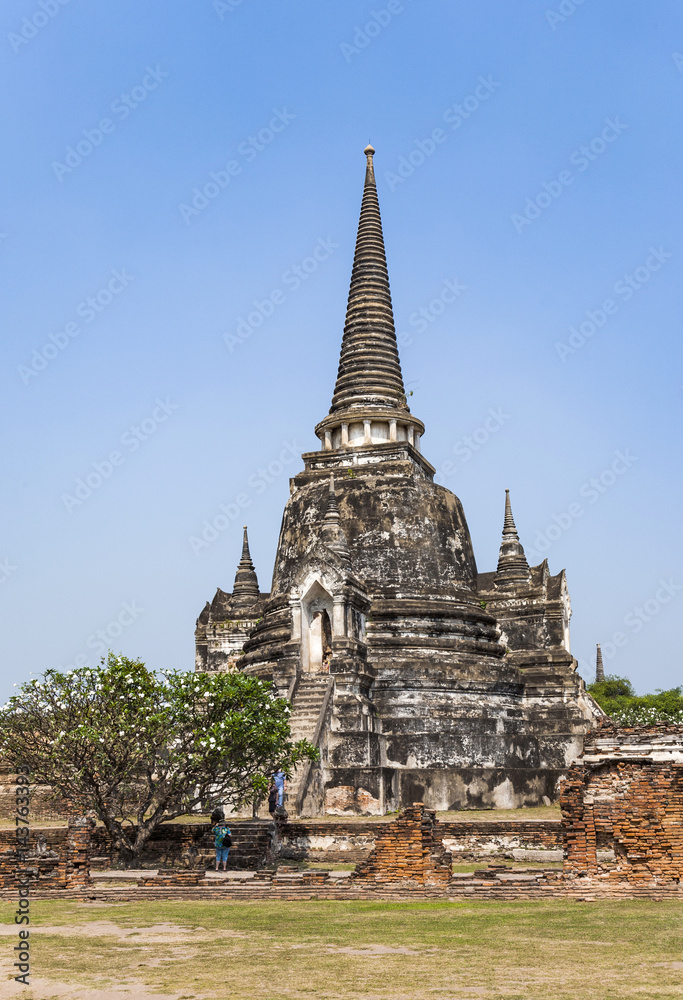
x=509 y=521
x=370 y=169
x=332 y=509
x=332 y=532
x=512 y=563
x=246 y=554
x=599 y=669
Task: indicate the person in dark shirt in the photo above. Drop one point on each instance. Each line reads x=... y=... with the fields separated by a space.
x=272 y=797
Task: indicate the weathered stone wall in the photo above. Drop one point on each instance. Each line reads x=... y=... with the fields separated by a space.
x=626 y=794
x=340 y=841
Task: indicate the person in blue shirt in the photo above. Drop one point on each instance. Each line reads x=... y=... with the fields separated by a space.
x=279 y=777
x=223 y=842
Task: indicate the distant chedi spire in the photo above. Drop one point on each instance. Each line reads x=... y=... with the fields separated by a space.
x=599 y=668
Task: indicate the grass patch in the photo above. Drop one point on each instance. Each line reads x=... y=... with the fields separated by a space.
x=529 y=813
x=336 y=950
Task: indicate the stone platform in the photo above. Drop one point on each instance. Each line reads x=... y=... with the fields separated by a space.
x=502 y=883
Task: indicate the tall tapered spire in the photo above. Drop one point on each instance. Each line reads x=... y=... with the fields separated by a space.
x=512 y=563
x=369 y=367
x=599 y=669
x=369 y=416
x=245 y=590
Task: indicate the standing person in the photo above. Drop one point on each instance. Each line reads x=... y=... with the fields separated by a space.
x=223 y=842
x=272 y=797
x=279 y=777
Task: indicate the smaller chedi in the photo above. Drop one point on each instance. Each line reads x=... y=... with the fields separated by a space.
x=227 y=622
x=420 y=678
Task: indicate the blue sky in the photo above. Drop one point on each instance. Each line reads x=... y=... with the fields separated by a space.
x=178 y=165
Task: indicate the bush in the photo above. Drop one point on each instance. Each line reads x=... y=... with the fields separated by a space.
x=616 y=697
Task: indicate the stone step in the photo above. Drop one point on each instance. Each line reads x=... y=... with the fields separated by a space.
x=306 y=707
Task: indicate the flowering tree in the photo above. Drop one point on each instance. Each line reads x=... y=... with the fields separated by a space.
x=139 y=749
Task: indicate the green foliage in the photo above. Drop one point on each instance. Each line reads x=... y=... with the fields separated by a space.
x=616 y=697
x=140 y=748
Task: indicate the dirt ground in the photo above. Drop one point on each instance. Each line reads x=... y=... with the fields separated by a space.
x=349 y=950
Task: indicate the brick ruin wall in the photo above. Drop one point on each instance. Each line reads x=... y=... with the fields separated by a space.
x=626 y=794
x=178 y=844
x=408 y=850
x=68 y=868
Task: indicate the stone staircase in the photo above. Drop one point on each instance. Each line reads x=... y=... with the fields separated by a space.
x=307 y=705
x=250 y=845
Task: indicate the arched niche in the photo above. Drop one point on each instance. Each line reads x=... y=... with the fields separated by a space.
x=316 y=629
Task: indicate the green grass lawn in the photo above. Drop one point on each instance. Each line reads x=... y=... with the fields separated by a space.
x=355 y=950
x=464 y=815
